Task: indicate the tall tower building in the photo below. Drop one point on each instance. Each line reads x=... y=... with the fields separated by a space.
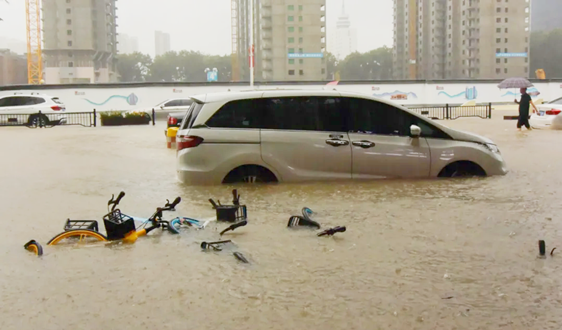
x=80 y=41
x=289 y=39
x=161 y=43
x=440 y=39
x=346 y=36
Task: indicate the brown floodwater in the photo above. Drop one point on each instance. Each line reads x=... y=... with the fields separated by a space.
x=429 y=254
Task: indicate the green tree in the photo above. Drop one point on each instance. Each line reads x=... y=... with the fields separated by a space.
x=133 y=67
x=545 y=53
x=373 y=65
x=189 y=66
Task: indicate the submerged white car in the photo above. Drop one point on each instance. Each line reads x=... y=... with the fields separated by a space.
x=548 y=116
x=295 y=136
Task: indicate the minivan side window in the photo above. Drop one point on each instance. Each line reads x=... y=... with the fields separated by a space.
x=236 y=114
x=303 y=113
x=190 y=115
x=373 y=117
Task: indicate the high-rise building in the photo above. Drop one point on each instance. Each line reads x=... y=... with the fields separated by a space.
x=80 y=41
x=346 y=36
x=161 y=43
x=13 y=68
x=127 y=44
x=440 y=39
x=289 y=39
x=546 y=15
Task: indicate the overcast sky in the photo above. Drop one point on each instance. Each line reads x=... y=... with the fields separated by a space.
x=204 y=25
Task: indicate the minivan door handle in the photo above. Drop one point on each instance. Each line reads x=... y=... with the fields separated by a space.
x=337 y=142
x=364 y=144
x=336 y=136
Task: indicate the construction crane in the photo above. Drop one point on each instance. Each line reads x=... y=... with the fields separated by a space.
x=235 y=69
x=34 y=52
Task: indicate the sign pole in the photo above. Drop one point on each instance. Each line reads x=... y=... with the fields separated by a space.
x=251 y=43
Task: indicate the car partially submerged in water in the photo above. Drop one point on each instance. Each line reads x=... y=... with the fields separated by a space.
x=292 y=136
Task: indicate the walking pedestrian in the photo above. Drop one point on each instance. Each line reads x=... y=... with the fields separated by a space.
x=524 y=105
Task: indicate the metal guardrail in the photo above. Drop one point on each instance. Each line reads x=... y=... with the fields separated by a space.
x=35 y=120
x=47 y=120
x=447 y=111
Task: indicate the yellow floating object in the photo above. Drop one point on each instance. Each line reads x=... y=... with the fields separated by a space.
x=172 y=131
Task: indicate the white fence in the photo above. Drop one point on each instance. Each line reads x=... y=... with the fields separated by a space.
x=147 y=95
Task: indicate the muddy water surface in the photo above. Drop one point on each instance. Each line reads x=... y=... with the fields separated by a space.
x=432 y=254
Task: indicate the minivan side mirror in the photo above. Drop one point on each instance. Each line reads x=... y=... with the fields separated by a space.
x=415 y=131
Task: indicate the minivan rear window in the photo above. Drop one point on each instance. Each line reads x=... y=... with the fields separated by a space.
x=192 y=114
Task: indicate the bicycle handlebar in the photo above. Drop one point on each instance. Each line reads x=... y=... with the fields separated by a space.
x=174 y=203
x=116 y=201
x=332 y=231
x=234 y=226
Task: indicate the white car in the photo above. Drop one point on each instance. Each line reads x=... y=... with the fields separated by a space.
x=174 y=105
x=23 y=109
x=294 y=136
x=548 y=116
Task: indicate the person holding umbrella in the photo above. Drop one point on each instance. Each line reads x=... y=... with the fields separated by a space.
x=525 y=101
x=524 y=105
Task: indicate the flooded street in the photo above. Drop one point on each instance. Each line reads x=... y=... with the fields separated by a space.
x=430 y=254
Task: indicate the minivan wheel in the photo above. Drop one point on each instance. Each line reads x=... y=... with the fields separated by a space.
x=250 y=174
x=462 y=169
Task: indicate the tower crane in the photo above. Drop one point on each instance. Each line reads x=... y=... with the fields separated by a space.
x=34 y=52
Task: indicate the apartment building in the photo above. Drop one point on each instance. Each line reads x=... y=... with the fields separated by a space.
x=161 y=43
x=127 y=44
x=80 y=41
x=444 y=39
x=289 y=39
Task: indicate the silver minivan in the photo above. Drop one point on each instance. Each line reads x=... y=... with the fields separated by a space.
x=304 y=135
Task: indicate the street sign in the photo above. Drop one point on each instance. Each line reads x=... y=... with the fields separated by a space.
x=212 y=76
x=511 y=54
x=306 y=55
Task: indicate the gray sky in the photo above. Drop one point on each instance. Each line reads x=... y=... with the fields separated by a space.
x=205 y=25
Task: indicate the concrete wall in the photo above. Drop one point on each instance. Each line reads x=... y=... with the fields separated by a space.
x=147 y=95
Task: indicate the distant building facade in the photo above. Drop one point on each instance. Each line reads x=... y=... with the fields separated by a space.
x=441 y=39
x=127 y=44
x=13 y=68
x=80 y=41
x=289 y=39
x=161 y=43
x=345 y=37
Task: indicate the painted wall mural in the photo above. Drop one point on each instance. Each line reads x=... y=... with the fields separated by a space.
x=146 y=97
x=132 y=99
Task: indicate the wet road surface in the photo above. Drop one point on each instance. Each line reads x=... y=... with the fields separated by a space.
x=428 y=254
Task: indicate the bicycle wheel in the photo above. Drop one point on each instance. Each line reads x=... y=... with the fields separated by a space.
x=80 y=234
x=33 y=246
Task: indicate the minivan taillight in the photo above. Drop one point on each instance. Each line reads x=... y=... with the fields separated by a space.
x=553 y=112
x=188 y=141
x=56 y=108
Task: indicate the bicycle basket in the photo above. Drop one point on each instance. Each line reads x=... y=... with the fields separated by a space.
x=231 y=213
x=118 y=225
